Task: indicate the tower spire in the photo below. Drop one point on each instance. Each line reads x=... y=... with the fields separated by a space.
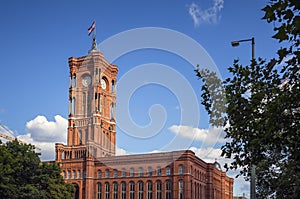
x=94 y=44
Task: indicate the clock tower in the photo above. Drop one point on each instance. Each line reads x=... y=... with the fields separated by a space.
x=92 y=107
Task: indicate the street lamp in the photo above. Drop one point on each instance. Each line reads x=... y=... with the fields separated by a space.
x=253 y=173
x=237 y=43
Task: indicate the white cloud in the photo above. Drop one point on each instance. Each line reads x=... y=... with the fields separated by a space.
x=208 y=136
x=210 y=155
x=44 y=134
x=43 y=130
x=210 y=15
x=120 y=151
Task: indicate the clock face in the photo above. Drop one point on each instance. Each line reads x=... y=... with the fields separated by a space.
x=86 y=81
x=103 y=84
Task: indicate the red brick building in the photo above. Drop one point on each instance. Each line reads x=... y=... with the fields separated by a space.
x=89 y=159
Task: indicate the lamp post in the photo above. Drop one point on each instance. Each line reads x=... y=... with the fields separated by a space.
x=237 y=43
x=253 y=174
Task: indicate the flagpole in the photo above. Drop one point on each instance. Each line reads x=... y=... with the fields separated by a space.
x=95 y=28
x=94 y=42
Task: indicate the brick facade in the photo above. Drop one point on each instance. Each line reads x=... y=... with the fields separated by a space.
x=88 y=160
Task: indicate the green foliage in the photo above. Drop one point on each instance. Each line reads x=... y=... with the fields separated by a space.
x=260 y=108
x=22 y=175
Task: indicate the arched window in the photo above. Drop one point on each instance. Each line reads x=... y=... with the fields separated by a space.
x=180 y=188
x=76 y=194
x=168 y=189
x=168 y=171
x=158 y=189
x=141 y=189
x=107 y=191
x=180 y=169
x=99 y=190
x=107 y=173
x=123 y=186
x=115 y=188
x=149 y=190
x=99 y=174
x=131 y=190
x=149 y=171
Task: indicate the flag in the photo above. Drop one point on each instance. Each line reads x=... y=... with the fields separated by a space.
x=92 y=28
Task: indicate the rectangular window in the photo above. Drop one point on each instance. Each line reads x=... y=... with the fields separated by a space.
x=168 y=171
x=149 y=171
x=69 y=174
x=84 y=103
x=180 y=169
x=123 y=172
x=115 y=173
x=131 y=172
x=141 y=171
x=158 y=171
x=73 y=81
x=74 y=174
x=79 y=174
x=99 y=174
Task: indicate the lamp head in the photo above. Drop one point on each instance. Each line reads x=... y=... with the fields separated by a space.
x=235 y=43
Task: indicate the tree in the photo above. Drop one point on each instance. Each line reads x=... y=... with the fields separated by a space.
x=22 y=175
x=259 y=108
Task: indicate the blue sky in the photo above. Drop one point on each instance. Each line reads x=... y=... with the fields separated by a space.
x=37 y=37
